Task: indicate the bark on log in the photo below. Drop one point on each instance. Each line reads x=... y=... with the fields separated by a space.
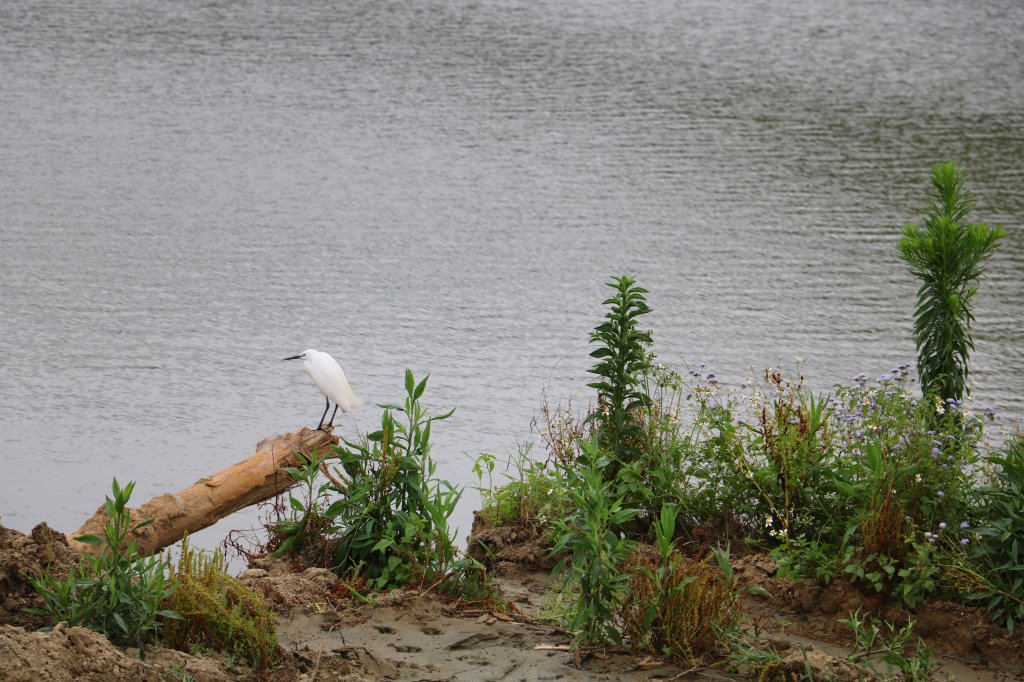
x=212 y=498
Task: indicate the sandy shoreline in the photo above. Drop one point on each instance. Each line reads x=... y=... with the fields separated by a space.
x=421 y=635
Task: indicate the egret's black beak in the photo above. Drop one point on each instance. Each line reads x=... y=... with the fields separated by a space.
x=294 y=357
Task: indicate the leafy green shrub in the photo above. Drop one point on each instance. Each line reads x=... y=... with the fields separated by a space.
x=947 y=256
x=218 y=612
x=392 y=516
x=803 y=558
x=993 y=574
x=115 y=591
x=383 y=514
x=596 y=550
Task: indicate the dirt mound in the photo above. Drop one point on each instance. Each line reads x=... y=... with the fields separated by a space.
x=957 y=629
x=24 y=555
x=68 y=654
x=74 y=654
x=522 y=545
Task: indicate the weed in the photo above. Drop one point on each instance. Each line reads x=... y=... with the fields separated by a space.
x=621 y=362
x=178 y=670
x=889 y=646
x=676 y=605
x=534 y=494
x=993 y=572
x=392 y=515
x=115 y=591
x=306 y=532
x=948 y=257
x=596 y=550
x=799 y=557
x=218 y=612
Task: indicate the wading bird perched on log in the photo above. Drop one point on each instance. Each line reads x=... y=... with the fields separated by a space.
x=328 y=376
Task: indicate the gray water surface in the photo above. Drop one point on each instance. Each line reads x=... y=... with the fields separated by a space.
x=192 y=190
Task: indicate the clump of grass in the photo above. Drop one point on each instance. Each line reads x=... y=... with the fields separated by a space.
x=218 y=612
x=677 y=616
x=534 y=494
x=676 y=606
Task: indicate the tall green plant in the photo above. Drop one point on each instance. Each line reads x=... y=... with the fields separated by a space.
x=596 y=549
x=622 y=361
x=948 y=257
x=393 y=513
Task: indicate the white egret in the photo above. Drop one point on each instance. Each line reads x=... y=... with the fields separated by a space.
x=328 y=376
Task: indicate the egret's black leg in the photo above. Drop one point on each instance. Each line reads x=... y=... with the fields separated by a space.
x=321 y=424
x=334 y=413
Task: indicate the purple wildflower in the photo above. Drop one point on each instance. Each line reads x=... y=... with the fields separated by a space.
x=965 y=542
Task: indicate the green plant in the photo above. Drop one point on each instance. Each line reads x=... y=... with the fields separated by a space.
x=889 y=646
x=793 y=449
x=947 y=256
x=799 y=557
x=178 y=670
x=307 y=531
x=596 y=549
x=874 y=571
x=993 y=573
x=534 y=494
x=392 y=517
x=113 y=590
x=218 y=612
x=919 y=576
x=676 y=605
x=621 y=362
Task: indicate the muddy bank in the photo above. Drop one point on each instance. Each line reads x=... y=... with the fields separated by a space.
x=810 y=609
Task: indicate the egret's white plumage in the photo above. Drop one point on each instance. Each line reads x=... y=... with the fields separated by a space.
x=329 y=377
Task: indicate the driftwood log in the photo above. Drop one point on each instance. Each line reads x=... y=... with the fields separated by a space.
x=212 y=498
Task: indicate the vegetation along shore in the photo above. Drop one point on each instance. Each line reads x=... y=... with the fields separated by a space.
x=675 y=529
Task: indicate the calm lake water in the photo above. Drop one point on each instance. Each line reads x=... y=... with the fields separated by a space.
x=192 y=190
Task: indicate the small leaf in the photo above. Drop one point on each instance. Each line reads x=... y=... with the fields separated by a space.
x=90 y=539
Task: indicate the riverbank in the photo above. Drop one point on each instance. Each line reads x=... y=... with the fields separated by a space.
x=418 y=634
